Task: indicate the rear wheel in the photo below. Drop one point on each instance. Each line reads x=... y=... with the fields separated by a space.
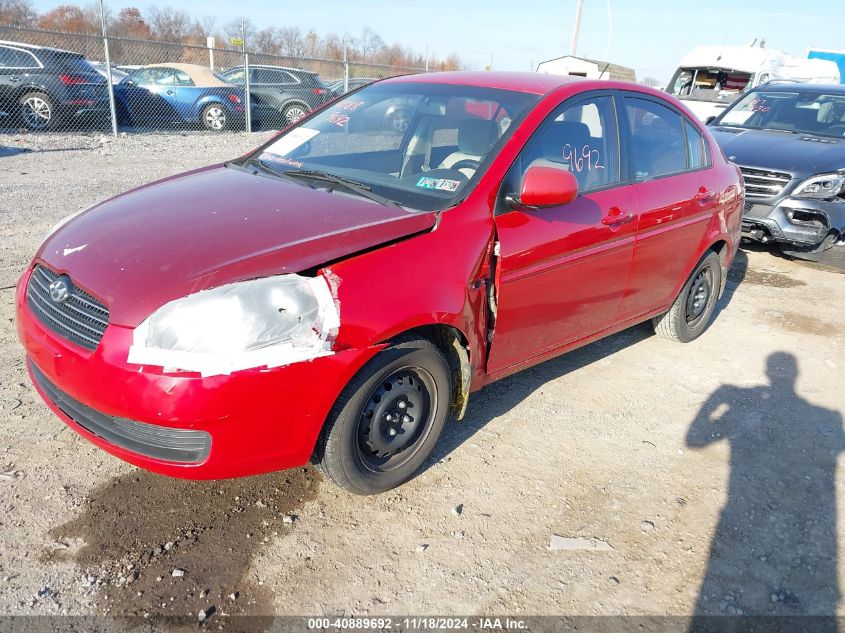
x=38 y=112
x=692 y=311
x=214 y=117
x=387 y=420
x=293 y=112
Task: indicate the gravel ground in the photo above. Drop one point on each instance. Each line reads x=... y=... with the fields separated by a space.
x=634 y=476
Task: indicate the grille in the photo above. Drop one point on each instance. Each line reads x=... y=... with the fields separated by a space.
x=753 y=210
x=764 y=184
x=158 y=442
x=79 y=318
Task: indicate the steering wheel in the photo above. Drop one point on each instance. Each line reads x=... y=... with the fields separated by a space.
x=468 y=163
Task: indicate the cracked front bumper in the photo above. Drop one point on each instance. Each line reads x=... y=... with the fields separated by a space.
x=256 y=421
x=802 y=222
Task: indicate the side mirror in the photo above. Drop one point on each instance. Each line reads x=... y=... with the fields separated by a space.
x=546 y=187
x=709 y=120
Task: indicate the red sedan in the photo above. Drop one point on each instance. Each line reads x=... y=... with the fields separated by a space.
x=339 y=292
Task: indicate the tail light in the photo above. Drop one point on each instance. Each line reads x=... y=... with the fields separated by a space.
x=234 y=98
x=320 y=91
x=73 y=80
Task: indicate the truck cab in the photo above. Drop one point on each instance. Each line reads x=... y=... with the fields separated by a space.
x=710 y=78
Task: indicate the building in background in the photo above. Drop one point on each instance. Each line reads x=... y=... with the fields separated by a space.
x=584 y=67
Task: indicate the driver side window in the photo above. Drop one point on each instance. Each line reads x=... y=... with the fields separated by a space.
x=578 y=137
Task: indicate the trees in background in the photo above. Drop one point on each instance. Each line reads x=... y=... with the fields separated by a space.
x=168 y=24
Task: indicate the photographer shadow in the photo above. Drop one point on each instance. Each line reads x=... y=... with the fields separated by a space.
x=774 y=551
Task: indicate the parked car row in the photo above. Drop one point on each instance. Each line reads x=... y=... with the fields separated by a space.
x=44 y=88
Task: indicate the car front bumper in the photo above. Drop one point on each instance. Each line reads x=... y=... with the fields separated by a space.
x=801 y=222
x=246 y=423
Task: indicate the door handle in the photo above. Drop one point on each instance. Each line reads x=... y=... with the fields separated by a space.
x=704 y=195
x=616 y=216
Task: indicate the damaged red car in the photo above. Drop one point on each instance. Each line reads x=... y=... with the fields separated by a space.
x=338 y=293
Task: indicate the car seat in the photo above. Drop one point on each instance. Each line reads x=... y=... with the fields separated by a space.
x=475 y=137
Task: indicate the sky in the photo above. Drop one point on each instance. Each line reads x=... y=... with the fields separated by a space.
x=648 y=35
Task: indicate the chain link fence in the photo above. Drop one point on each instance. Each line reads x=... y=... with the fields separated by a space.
x=60 y=82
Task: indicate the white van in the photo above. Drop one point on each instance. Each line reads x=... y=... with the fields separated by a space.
x=710 y=78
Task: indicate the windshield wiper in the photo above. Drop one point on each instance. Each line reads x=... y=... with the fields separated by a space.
x=353 y=186
x=260 y=166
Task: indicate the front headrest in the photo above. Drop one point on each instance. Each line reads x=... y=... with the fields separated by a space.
x=475 y=136
x=561 y=133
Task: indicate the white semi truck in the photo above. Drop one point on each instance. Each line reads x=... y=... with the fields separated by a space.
x=710 y=78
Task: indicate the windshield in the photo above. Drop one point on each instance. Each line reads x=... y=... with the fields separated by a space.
x=799 y=112
x=709 y=84
x=417 y=145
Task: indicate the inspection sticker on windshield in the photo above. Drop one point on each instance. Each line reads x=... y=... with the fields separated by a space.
x=443 y=184
x=293 y=139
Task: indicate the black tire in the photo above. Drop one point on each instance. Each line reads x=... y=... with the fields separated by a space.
x=692 y=311
x=349 y=451
x=214 y=117
x=292 y=112
x=37 y=111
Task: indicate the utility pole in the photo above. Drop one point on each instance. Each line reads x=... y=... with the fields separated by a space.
x=577 y=28
x=109 y=80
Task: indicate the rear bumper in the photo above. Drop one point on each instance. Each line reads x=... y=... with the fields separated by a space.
x=256 y=420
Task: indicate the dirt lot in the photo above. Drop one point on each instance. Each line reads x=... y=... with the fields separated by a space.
x=703 y=476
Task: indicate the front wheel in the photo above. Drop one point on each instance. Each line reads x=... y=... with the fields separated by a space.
x=387 y=420
x=692 y=311
x=214 y=117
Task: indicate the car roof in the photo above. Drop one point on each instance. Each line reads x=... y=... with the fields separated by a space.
x=537 y=83
x=35 y=47
x=202 y=76
x=290 y=68
x=792 y=87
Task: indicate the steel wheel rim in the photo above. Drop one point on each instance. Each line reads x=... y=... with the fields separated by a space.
x=36 y=112
x=294 y=114
x=215 y=118
x=388 y=434
x=698 y=297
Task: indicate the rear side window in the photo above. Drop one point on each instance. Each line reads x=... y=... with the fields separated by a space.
x=182 y=78
x=271 y=76
x=16 y=58
x=657 y=142
x=697 y=156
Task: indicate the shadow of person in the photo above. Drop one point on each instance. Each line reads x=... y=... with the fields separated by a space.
x=774 y=549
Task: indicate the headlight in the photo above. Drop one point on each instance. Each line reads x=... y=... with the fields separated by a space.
x=823 y=187
x=269 y=322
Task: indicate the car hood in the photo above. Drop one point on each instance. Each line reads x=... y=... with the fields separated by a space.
x=799 y=154
x=212 y=226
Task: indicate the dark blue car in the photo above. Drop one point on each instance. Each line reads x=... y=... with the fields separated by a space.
x=179 y=93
